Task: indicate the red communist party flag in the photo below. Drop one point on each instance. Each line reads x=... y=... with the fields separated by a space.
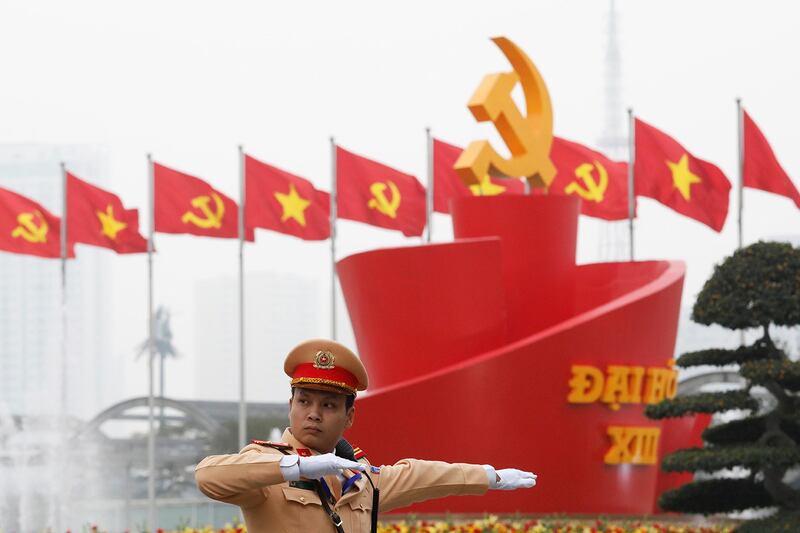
x=186 y=204
x=283 y=202
x=761 y=167
x=370 y=192
x=28 y=228
x=665 y=171
x=97 y=217
x=448 y=185
x=601 y=183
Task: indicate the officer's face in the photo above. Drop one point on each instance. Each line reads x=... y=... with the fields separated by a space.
x=319 y=418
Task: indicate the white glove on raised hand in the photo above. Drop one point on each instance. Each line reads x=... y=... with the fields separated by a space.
x=510 y=478
x=294 y=467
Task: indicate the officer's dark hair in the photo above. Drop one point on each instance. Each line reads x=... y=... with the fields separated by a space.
x=349 y=399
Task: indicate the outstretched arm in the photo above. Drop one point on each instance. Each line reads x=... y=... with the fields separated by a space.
x=412 y=480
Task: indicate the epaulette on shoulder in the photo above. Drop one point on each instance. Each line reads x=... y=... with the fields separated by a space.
x=270 y=444
x=358 y=453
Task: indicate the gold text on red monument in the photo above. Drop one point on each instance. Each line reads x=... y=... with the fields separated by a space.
x=621 y=384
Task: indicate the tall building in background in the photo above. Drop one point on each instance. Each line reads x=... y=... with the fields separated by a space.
x=613 y=236
x=281 y=310
x=30 y=297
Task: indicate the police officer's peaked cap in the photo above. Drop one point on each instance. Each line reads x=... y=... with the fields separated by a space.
x=326 y=365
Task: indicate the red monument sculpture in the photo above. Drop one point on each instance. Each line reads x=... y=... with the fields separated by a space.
x=498 y=348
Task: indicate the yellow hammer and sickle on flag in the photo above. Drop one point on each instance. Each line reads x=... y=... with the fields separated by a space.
x=210 y=219
x=593 y=191
x=379 y=201
x=28 y=229
x=528 y=137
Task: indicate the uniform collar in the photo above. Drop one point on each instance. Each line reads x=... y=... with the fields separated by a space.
x=290 y=439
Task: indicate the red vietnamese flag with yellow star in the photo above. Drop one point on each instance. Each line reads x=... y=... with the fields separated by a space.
x=373 y=193
x=186 y=204
x=97 y=217
x=761 y=168
x=283 y=202
x=26 y=227
x=602 y=184
x=448 y=185
x=665 y=171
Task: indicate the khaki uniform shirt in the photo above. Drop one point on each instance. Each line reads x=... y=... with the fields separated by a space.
x=252 y=480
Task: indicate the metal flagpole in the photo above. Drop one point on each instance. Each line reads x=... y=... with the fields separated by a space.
x=429 y=192
x=242 y=402
x=64 y=247
x=333 y=238
x=631 y=163
x=740 y=142
x=61 y=423
x=151 y=437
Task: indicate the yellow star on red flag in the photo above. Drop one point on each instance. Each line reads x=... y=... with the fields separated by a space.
x=682 y=177
x=111 y=226
x=294 y=205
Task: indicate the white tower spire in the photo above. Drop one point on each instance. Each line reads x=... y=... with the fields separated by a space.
x=613 y=141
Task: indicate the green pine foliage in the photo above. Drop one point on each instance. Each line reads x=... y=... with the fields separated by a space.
x=706 y=402
x=754 y=457
x=783 y=372
x=748 y=430
x=716 y=496
x=760 y=350
x=736 y=431
x=758 y=286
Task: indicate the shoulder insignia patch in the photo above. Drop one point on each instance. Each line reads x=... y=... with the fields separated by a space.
x=358 y=453
x=270 y=444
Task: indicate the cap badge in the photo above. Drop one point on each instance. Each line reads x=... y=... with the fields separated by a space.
x=324 y=360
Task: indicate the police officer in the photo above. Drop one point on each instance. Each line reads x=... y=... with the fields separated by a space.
x=313 y=481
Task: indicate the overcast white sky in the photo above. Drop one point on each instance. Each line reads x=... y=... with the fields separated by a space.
x=190 y=80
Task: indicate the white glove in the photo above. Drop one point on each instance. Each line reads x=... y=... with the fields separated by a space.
x=294 y=467
x=510 y=478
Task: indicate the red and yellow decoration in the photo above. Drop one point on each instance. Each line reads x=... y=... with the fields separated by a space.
x=97 y=217
x=447 y=185
x=528 y=136
x=186 y=204
x=624 y=384
x=26 y=227
x=373 y=193
x=282 y=202
x=601 y=183
x=665 y=171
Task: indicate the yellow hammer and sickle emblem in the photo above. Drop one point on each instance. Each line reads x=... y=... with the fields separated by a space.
x=593 y=190
x=528 y=137
x=28 y=229
x=379 y=200
x=210 y=219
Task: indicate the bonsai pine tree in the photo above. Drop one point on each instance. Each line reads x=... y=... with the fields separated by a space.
x=758 y=286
